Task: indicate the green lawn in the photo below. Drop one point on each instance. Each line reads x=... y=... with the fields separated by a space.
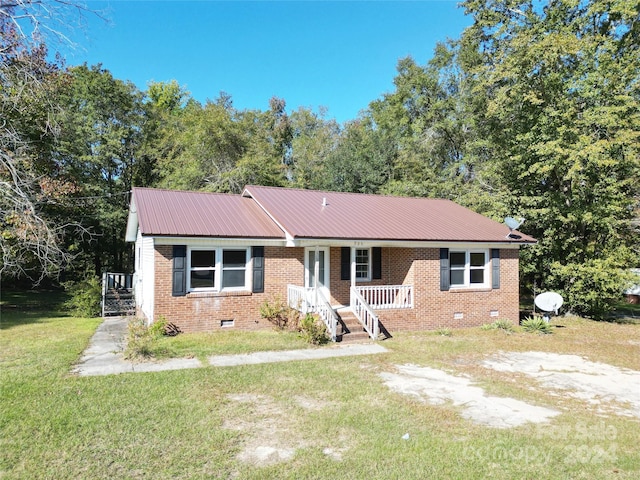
x=335 y=418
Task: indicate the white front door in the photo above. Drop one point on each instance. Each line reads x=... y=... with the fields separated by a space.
x=322 y=269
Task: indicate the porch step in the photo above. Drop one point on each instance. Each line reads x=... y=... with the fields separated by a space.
x=350 y=330
x=120 y=302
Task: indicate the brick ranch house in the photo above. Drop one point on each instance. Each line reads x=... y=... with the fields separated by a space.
x=208 y=261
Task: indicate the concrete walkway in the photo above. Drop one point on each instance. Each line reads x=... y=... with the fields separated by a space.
x=105 y=356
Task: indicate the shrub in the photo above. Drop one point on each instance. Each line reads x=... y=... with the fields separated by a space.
x=591 y=288
x=504 y=325
x=157 y=328
x=280 y=314
x=536 y=325
x=445 y=332
x=140 y=340
x=85 y=297
x=313 y=330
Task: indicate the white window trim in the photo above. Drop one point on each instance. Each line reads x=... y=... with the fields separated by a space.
x=467 y=268
x=368 y=277
x=218 y=269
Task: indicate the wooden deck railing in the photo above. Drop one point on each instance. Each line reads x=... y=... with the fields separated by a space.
x=382 y=297
x=117 y=294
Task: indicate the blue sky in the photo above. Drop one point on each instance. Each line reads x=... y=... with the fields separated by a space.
x=340 y=55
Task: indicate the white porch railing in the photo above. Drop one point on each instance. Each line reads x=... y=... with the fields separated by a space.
x=364 y=313
x=304 y=300
x=383 y=297
x=299 y=298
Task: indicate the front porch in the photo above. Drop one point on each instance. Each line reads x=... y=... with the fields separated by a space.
x=364 y=301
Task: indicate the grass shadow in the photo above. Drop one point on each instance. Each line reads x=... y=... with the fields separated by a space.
x=20 y=307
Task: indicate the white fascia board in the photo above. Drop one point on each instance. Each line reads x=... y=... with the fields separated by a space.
x=311 y=242
x=288 y=236
x=207 y=241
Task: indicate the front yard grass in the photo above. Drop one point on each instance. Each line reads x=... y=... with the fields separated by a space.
x=335 y=417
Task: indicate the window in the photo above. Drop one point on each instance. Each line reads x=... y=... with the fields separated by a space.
x=217 y=269
x=202 y=269
x=363 y=264
x=468 y=268
x=234 y=265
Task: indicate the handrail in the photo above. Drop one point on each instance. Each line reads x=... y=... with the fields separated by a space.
x=328 y=315
x=303 y=299
x=117 y=281
x=387 y=296
x=365 y=314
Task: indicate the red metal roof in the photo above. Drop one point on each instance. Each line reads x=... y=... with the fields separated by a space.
x=263 y=212
x=317 y=214
x=200 y=214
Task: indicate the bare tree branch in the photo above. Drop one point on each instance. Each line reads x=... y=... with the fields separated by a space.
x=31 y=240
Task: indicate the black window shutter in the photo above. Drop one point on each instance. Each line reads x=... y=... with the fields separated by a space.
x=444 y=269
x=179 y=271
x=495 y=268
x=376 y=263
x=258 y=269
x=345 y=263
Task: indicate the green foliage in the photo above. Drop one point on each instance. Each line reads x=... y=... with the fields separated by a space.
x=361 y=161
x=536 y=325
x=313 y=140
x=157 y=328
x=141 y=340
x=558 y=122
x=278 y=313
x=444 y=332
x=313 y=331
x=84 y=297
x=504 y=325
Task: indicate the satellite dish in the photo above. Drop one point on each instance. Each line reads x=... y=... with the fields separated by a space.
x=513 y=224
x=549 y=302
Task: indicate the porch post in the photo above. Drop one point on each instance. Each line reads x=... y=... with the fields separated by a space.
x=353 y=270
x=316 y=272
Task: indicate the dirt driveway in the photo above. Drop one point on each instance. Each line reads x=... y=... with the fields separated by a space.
x=609 y=389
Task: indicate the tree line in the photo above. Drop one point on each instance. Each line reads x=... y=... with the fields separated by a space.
x=533 y=112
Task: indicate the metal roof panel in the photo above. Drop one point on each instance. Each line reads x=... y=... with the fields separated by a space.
x=318 y=214
x=182 y=213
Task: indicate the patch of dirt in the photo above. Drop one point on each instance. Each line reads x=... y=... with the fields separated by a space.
x=436 y=387
x=611 y=389
x=270 y=432
x=312 y=404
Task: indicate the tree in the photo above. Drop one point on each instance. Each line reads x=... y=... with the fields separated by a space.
x=313 y=140
x=101 y=120
x=31 y=189
x=361 y=161
x=200 y=147
x=562 y=123
x=425 y=119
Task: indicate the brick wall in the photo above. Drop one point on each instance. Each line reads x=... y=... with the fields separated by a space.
x=205 y=311
x=455 y=308
x=418 y=267
x=397 y=269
